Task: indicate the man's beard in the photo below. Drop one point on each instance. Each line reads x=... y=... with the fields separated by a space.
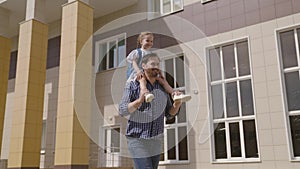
x=152 y=72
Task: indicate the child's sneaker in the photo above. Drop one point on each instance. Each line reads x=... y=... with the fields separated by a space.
x=182 y=97
x=149 y=97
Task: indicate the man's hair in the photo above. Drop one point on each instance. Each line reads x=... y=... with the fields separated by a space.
x=146 y=58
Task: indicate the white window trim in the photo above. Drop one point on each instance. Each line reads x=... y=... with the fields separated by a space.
x=177 y=161
x=102 y=138
x=172 y=7
x=174 y=68
x=283 y=87
x=97 y=49
x=225 y=119
x=104 y=128
x=176 y=125
x=157 y=14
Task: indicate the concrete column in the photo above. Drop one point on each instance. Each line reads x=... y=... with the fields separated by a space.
x=72 y=141
x=27 y=122
x=35 y=10
x=5 y=46
x=25 y=143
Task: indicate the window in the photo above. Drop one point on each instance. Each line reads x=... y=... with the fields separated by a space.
x=110 y=53
x=231 y=103
x=163 y=7
x=289 y=41
x=175 y=148
x=112 y=146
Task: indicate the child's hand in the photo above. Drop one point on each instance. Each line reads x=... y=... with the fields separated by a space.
x=161 y=79
x=160 y=75
x=139 y=75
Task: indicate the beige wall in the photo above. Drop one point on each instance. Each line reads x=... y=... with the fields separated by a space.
x=268 y=103
x=271 y=126
x=272 y=131
x=50 y=108
x=7 y=124
x=109 y=90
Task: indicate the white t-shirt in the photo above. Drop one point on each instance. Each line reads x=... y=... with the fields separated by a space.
x=133 y=55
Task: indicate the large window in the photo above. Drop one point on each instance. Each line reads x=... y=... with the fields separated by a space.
x=289 y=44
x=231 y=103
x=175 y=148
x=158 y=8
x=110 y=53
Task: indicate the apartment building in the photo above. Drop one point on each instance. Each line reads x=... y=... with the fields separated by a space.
x=62 y=75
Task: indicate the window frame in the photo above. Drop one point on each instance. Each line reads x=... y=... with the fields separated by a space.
x=107 y=41
x=229 y=120
x=176 y=125
x=110 y=128
x=153 y=14
x=103 y=144
x=283 y=70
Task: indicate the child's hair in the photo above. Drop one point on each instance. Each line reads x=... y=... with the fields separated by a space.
x=141 y=36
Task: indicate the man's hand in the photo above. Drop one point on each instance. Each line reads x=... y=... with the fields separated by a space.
x=177 y=103
x=138 y=102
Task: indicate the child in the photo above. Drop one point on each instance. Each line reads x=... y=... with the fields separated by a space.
x=135 y=71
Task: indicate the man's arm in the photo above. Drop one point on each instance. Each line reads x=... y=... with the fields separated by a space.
x=173 y=109
x=133 y=106
x=127 y=106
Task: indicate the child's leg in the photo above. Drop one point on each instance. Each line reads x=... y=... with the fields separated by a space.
x=162 y=81
x=148 y=96
x=143 y=83
x=170 y=90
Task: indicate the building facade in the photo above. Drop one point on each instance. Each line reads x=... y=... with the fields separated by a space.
x=62 y=74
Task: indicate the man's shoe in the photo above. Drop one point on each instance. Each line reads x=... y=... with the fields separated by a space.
x=182 y=97
x=149 y=97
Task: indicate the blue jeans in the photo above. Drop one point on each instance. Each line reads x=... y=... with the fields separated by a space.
x=145 y=152
x=146 y=163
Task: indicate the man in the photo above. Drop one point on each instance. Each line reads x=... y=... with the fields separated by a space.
x=145 y=126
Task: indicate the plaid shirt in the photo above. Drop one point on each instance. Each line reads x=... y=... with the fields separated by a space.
x=148 y=120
